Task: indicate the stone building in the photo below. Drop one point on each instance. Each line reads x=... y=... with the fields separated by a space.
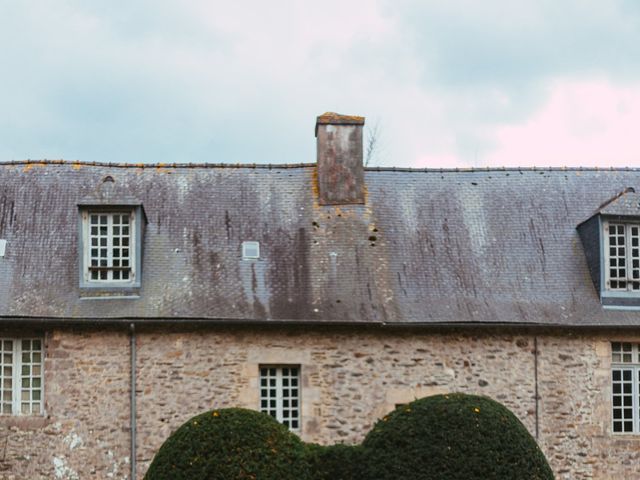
x=135 y=296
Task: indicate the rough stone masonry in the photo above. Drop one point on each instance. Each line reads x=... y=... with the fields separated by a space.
x=350 y=378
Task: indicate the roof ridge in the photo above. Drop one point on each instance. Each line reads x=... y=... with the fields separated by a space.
x=85 y=163
x=271 y=166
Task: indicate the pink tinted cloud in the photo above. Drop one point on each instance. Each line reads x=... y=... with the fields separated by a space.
x=584 y=123
x=590 y=123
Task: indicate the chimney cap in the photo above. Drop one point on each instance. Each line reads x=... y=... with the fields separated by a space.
x=332 y=118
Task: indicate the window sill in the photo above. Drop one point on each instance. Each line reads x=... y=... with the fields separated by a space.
x=625 y=438
x=24 y=422
x=630 y=301
x=109 y=293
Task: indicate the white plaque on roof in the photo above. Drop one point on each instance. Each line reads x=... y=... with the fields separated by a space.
x=3 y=246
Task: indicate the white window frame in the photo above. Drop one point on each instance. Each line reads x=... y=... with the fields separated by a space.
x=86 y=239
x=622 y=361
x=628 y=257
x=18 y=378
x=284 y=406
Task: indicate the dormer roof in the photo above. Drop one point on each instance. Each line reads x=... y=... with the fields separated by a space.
x=627 y=203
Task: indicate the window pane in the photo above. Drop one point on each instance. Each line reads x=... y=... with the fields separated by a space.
x=617 y=257
x=622 y=399
x=634 y=257
x=106 y=251
x=280 y=400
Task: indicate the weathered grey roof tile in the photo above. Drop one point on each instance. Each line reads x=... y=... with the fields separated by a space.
x=426 y=247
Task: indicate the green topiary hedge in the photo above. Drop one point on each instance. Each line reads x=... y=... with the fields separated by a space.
x=335 y=462
x=453 y=437
x=230 y=444
x=445 y=437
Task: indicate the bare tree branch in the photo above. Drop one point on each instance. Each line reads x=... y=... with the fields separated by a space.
x=372 y=143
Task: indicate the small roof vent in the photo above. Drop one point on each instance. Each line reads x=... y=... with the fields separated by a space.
x=250 y=250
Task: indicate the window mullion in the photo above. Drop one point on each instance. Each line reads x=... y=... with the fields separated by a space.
x=17 y=380
x=279 y=408
x=606 y=260
x=132 y=248
x=627 y=255
x=86 y=238
x=110 y=246
x=636 y=403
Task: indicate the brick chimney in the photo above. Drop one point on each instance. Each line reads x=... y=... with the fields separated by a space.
x=340 y=169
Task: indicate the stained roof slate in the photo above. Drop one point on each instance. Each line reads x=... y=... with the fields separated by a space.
x=445 y=247
x=627 y=203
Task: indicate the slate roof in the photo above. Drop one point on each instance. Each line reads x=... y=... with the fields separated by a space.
x=627 y=203
x=427 y=247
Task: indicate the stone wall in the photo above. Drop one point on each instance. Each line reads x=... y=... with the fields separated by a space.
x=84 y=433
x=350 y=377
x=575 y=409
x=348 y=380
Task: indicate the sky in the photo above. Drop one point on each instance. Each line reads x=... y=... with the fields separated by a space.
x=451 y=83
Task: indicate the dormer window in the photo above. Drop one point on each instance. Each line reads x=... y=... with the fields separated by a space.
x=109 y=256
x=110 y=238
x=611 y=243
x=622 y=256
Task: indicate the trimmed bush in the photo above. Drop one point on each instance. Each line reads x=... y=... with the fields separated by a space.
x=445 y=437
x=453 y=437
x=335 y=462
x=230 y=444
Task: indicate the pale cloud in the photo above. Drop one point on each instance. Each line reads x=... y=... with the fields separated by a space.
x=453 y=83
x=589 y=123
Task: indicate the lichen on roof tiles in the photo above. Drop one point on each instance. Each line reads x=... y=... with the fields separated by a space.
x=450 y=246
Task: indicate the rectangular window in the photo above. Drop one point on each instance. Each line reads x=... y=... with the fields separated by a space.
x=622 y=253
x=625 y=377
x=109 y=246
x=21 y=365
x=280 y=394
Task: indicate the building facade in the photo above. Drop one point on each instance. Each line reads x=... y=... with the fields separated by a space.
x=133 y=297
